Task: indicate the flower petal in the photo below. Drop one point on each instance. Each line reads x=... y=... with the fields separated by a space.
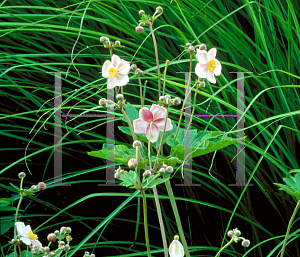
x=145 y=114
x=123 y=67
x=158 y=111
x=152 y=134
x=27 y=229
x=26 y=240
x=106 y=65
x=211 y=77
x=37 y=243
x=176 y=249
x=218 y=68
x=212 y=54
x=160 y=123
x=121 y=80
x=115 y=60
x=111 y=82
x=202 y=56
x=140 y=125
x=21 y=229
x=201 y=70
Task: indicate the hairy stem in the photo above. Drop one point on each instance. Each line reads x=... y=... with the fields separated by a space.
x=219 y=252
x=176 y=214
x=16 y=217
x=145 y=222
x=141 y=91
x=186 y=95
x=157 y=61
x=289 y=227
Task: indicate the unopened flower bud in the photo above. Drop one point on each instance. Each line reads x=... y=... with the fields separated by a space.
x=66 y=248
x=133 y=67
x=42 y=186
x=237 y=233
x=139 y=72
x=46 y=249
x=168 y=96
x=102 y=102
x=117 y=175
x=86 y=253
x=51 y=254
x=132 y=163
x=202 y=47
x=56 y=232
x=51 y=237
x=167 y=62
x=112 y=107
x=159 y=9
x=92 y=255
x=102 y=39
x=147 y=173
x=68 y=230
x=120 y=97
x=34 y=251
x=22 y=175
x=162 y=171
x=33 y=188
x=165 y=166
x=230 y=233
x=246 y=243
x=177 y=101
x=169 y=169
x=141 y=12
x=63 y=229
x=136 y=143
x=139 y=29
x=162 y=98
x=117 y=43
x=191 y=49
x=202 y=84
x=188 y=44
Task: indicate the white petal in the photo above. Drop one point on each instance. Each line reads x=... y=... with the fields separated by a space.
x=201 y=70
x=158 y=111
x=28 y=229
x=211 y=77
x=202 y=56
x=212 y=54
x=115 y=60
x=121 y=80
x=111 y=83
x=37 y=243
x=21 y=229
x=123 y=67
x=176 y=249
x=140 y=126
x=218 y=68
x=106 y=65
x=26 y=240
x=152 y=134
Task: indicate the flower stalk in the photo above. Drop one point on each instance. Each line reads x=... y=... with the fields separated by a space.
x=145 y=222
x=219 y=252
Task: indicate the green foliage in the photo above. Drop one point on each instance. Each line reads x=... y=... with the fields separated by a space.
x=292 y=186
x=129 y=179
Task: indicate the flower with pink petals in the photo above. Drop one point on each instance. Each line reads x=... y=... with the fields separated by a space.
x=116 y=71
x=208 y=65
x=152 y=121
x=27 y=236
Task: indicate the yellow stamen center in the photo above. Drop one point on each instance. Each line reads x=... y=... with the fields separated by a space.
x=112 y=73
x=211 y=65
x=32 y=236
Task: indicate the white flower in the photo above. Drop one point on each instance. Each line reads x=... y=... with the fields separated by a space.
x=27 y=235
x=208 y=65
x=116 y=71
x=176 y=248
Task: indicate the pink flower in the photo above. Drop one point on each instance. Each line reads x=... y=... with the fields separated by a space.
x=152 y=121
x=116 y=71
x=27 y=236
x=208 y=65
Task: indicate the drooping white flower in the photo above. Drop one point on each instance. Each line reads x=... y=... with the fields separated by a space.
x=208 y=65
x=27 y=236
x=116 y=71
x=176 y=248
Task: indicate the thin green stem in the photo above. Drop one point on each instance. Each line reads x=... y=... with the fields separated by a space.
x=186 y=95
x=161 y=223
x=16 y=218
x=122 y=91
x=176 y=214
x=165 y=72
x=194 y=105
x=149 y=152
x=136 y=172
x=141 y=92
x=289 y=227
x=20 y=250
x=219 y=252
x=145 y=222
x=156 y=56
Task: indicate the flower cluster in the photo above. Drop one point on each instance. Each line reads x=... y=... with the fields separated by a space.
x=235 y=235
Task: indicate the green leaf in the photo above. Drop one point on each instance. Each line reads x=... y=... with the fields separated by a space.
x=132 y=113
x=5 y=200
x=15 y=187
x=292 y=186
x=128 y=179
x=157 y=182
x=5 y=225
x=8 y=208
x=167 y=134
